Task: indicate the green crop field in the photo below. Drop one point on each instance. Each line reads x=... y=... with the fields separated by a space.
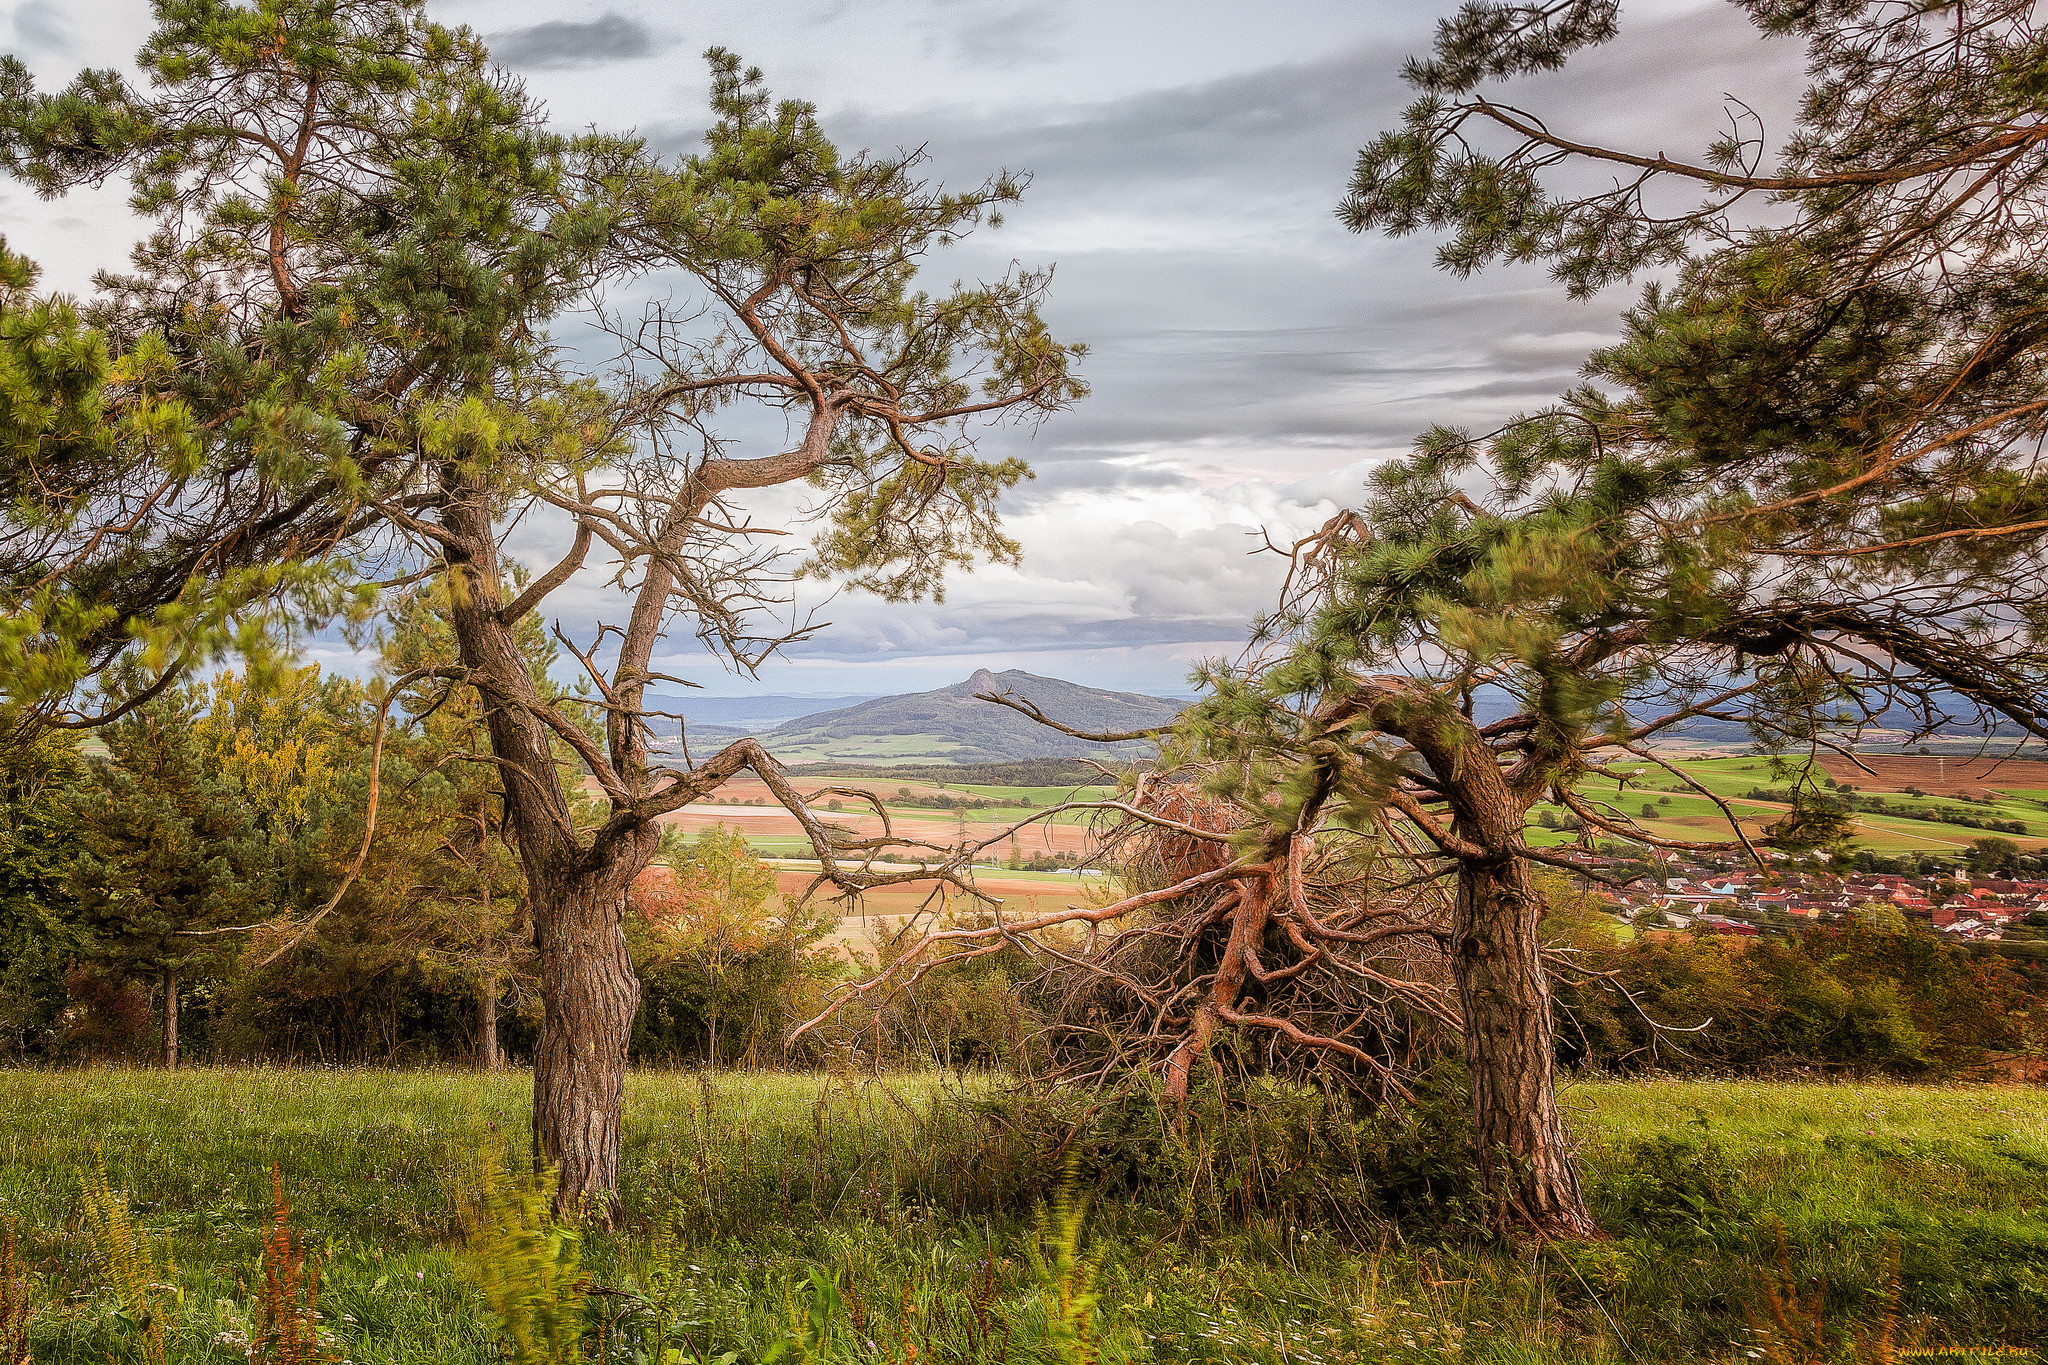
x=878 y=749
x=792 y=1217
x=1011 y=804
x=1683 y=813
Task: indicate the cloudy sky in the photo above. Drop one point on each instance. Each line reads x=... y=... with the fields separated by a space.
x=1250 y=359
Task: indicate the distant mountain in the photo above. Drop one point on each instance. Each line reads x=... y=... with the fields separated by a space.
x=949 y=726
x=714 y=716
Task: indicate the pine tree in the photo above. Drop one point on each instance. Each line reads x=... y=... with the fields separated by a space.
x=172 y=853
x=41 y=930
x=331 y=361
x=1799 y=494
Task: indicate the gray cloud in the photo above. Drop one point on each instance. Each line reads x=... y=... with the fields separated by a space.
x=563 y=44
x=1251 y=360
x=39 y=27
x=1003 y=33
x=1199 y=255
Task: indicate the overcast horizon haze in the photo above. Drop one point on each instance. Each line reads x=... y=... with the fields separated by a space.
x=1250 y=359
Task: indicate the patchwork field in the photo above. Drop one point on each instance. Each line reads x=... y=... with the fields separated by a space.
x=888 y=912
x=746 y=804
x=1976 y=794
x=1938 y=774
x=1676 y=809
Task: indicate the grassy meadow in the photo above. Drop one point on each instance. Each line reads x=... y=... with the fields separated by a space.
x=791 y=1217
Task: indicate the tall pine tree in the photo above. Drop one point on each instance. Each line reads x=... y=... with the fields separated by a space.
x=330 y=364
x=172 y=852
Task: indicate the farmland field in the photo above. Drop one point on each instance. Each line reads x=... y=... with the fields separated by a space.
x=1976 y=790
x=746 y=804
x=1680 y=810
x=1939 y=774
x=886 y=911
x=1743 y=1217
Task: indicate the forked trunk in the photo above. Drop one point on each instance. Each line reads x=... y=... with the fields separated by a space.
x=487 y=1054
x=170 y=1031
x=590 y=993
x=1525 y=1158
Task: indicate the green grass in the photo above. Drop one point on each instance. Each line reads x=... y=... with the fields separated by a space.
x=1010 y=804
x=757 y=1200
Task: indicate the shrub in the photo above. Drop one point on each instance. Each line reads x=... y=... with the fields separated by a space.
x=286 y=1330
x=131 y=1270
x=1269 y=1150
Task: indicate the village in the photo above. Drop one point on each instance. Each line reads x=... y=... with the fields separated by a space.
x=1727 y=894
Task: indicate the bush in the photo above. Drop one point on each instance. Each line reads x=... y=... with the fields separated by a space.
x=1860 y=998
x=1286 y=1154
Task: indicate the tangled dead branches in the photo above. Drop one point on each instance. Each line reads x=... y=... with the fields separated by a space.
x=1319 y=954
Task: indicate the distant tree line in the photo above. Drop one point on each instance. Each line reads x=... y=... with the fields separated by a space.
x=1870 y=995
x=146 y=892
x=197 y=886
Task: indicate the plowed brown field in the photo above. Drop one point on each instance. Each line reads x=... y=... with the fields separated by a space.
x=1938 y=775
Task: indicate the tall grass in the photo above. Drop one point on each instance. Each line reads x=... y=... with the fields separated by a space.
x=792 y=1217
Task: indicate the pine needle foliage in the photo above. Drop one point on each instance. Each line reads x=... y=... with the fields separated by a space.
x=1067 y=1275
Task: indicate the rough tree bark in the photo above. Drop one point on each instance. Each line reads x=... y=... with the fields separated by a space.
x=1496 y=950
x=577 y=881
x=170 y=1019
x=1510 y=1052
x=487 y=1053
x=590 y=993
x=588 y=987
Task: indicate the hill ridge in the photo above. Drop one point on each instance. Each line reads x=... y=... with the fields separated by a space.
x=947 y=724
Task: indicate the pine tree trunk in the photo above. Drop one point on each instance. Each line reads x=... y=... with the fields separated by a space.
x=1525 y=1157
x=170 y=1029
x=487 y=1052
x=589 y=993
